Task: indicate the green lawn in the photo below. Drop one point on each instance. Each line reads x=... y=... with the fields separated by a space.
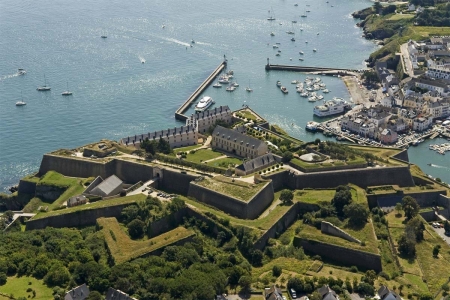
x=238 y=189
x=247 y=114
x=320 y=165
x=400 y=16
x=18 y=286
x=291 y=264
x=202 y=155
x=316 y=196
x=186 y=149
x=225 y=162
x=123 y=248
x=98 y=204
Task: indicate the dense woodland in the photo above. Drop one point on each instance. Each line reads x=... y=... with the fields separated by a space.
x=437 y=17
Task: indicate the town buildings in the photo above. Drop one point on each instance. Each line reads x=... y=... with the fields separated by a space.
x=208 y=118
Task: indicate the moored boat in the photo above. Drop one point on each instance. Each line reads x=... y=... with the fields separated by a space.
x=204 y=103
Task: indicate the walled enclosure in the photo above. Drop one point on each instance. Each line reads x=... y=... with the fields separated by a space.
x=425 y=198
x=343 y=255
x=238 y=208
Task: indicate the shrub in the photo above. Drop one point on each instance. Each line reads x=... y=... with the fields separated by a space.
x=276 y=271
x=354 y=269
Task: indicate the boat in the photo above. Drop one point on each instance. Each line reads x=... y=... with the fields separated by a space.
x=295 y=4
x=279 y=51
x=284 y=90
x=320 y=97
x=271 y=16
x=278 y=83
x=223 y=79
x=290 y=32
x=192 y=41
x=294 y=21
x=295 y=81
x=331 y=107
x=278 y=54
x=67 y=92
x=304 y=94
x=235 y=84
x=103 y=36
x=44 y=88
x=272 y=34
x=317 y=33
x=249 y=89
x=312 y=126
x=303 y=16
x=308 y=11
x=21 y=102
x=21 y=72
x=301 y=53
x=293 y=39
x=314 y=50
x=275 y=46
x=306 y=42
x=325 y=91
x=204 y=103
x=217 y=85
x=230 y=88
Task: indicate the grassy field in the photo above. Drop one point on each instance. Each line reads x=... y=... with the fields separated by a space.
x=316 y=196
x=328 y=271
x=225 y=162
x=186 y=149
x=17 y=286
x=247 y=114
x=124 y=249
x=396 y=17
x=432 y=269
x=202 y=155
x=365 y=234
x=98 y=204
x=237 y=189
x=290 y=264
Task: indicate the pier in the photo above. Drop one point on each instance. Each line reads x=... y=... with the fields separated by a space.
x=179 y=113
x=327 y=71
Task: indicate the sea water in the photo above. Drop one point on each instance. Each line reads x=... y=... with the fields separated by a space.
x=116 y=95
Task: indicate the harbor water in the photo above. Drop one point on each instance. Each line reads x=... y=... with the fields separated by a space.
x=133 y=81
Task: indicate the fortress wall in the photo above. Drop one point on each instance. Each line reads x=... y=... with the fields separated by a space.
x=360 y=177
x=424 y=198
x=73 y=167
x=444 y=201
x=167 y=223
x=27 y=187
x=342 y=255
x=77 y=218
x=328 y=228
x=176 y=181
x=132 y=172
x=403 y=155
x=278 y=179
x=421 y=181
x=225 y=203
x=260 y=201
x=279 y=227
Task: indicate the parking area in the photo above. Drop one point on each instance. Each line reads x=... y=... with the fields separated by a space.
x=441 y=233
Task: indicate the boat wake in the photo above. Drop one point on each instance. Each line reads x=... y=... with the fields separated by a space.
x=437 y=166
x=177 y=42
x=9 y=76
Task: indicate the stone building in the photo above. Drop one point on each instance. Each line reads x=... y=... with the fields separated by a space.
x=205 y=119
x=76 y=200
x=385 y=294
x=78 y=293
x=176 y=137
x=105 y=188
x=327 y=293
x=256 y=164
x=230 y=140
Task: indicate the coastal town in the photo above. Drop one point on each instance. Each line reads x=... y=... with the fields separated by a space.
x=228 y=205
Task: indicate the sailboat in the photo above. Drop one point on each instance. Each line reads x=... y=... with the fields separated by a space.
x=271 y=16
x=67 y=92
x=44 y=88
x=249 y=89
x=304 y=15
x=21 y=102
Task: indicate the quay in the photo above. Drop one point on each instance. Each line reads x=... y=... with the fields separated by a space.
x=179 y=113
x=326 y=71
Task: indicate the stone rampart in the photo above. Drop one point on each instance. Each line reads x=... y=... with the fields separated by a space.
x=402 y=156
x=231 y=205
x=346 y=256
x=326 y=169
x=49 y=192
x=75 y=167
x=133 y=172
x=27 y=187
x=444 y=201
x=425 y=198
x=278 y=179
x=176 y=181
x=77 y=218
x=328 y=228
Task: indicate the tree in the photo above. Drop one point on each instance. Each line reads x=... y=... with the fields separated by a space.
x=287 y=156
x=436 y=250
x=447 y=226
x=136 y=228
x=3 y=278
x=257 y=257
x=415 y=228
x=295 y=283
x=406 y=246
x=8 y=215
x=286 y=196
x=377 y=6
x=410 y=207
x=370 y=277
x=365 y=289
x=341 y=198
x=245 y=282
x=315 y=296
x=276 y=271
x=357 y=213
x=94 y=295
x=176 y=204
x=149 y=146
x=398 y=208
x=58 y=275
x=164 y=146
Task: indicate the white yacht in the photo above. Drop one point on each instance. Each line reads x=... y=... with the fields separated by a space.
x=230 y=88
x=312 y=126
x=329 y=108
x=235 y=84
x=278 y=83
x=315 y=50
x=275 y=46
x=223 y=80
x=326 y=91
x=320 y=97
x=272 y=34
x=301 y=59
x=217 y=85
x=67 y=92
x=44 y=88
x=249 y=89
x=301 y=52
x=103 y=36
x=304 y=94
x=284 y=90
x=21 y=103
x=204 y=103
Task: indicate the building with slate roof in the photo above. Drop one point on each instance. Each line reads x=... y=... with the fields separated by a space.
x=327 y=293
x=230 y=140
x=273 y=293
x=176 y=137
x=207 y=118
x=78 y=293
x=256 y=164
x=108 y=187
x=385 y=294
x=114 y=294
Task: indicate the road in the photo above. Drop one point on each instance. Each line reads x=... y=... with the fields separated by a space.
x=441 y=231
x=406 y=61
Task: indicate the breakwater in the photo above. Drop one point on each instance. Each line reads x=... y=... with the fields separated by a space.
x=307 y=69
x=179 y=113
